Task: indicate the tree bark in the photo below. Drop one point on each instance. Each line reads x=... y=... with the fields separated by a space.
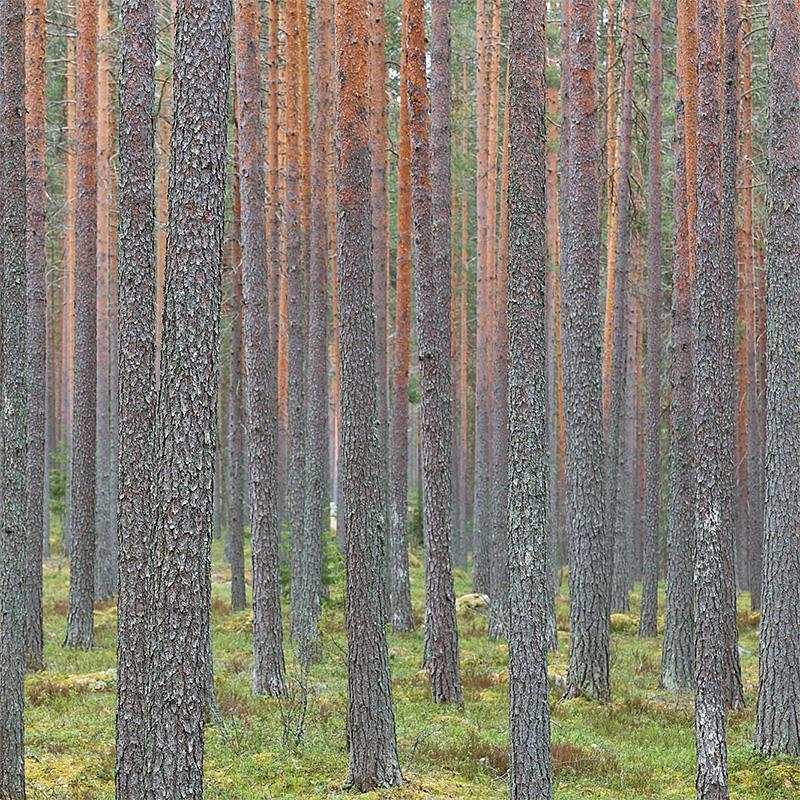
x=590 y=568
x=371 y=737
x=777 y=726
x=400 y=613
x=713 y=456
x=82 y=483
x=652 y=511
x=530 y=771
x=15 y=404
x=36 y=267
x=137 y=388
x=180 y=686
x=430 y=194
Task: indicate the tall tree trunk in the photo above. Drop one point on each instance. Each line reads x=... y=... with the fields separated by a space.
x=530 y=771
x=37 y=529
x=234 y=541
x=372 y=742
x=498 y=609
x=137 y=388
x=82 y=484
x=317 y=515
x=713 y=458
x=777 y=727
x=186 y=430
x=652 y=510
x=430 y=192
x=590 y=568
x=619 y=469
x=259 y=352
x=105 y=572
x=15 y=404
x=400 y=614
x=677 y=657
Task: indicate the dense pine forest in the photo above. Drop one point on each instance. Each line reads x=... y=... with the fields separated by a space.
x=399 y=398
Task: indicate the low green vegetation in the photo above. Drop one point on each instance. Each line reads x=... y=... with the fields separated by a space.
x=641 y=745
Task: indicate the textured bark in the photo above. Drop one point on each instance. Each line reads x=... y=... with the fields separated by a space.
x=400 y=612
x=15 y=404
x=430 y=193
x=36 y=516
x=296 y=338
x=619 y=467
x=590 y=566
x=481 y=525
x=530 y=770
x=137 y=388
x=777 y=726
x=105 y=572
x=372 y=743
x=498 y=609
x=652 y=509
x=317 y=514
x=713 y=452
x=259 y=352
x=234 y=541
x=186 y=430
x=82 y=483
x=754 y=444
x=379 y=150
x=677 y=658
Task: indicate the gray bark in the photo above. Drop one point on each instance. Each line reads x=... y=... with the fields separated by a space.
x=777 y=724
x=179 y=691
x=530 y=770
x=14 y=403
x=137 y=388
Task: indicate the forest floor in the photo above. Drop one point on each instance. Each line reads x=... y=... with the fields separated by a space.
x=640 y=745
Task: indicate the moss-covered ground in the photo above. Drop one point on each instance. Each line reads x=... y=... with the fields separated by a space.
x=640 y=745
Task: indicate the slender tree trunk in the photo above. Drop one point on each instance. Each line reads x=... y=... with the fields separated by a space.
x=371 y=737
x=82 y=484
x=652 y=510
x=530 y=771
x=713 y=458
x=777 y=725
x=234 y=541
x=259 y=351
x=430 y=192
x=401 y=615
x=137 y=388
x=37 y=530
x=590 y=568
x=186 y=431
x=677 y=657
x=317 y=514
x=15 y=404
x=105 y=572
x=619 y=469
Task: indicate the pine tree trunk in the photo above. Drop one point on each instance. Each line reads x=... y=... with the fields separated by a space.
x=137 y=388
x=777 y=729
x=260 y=366
x=13 y=290
x=181 y=677
x=677 y=657
x=590 y=568
x=400 y=612
x=371 y=737
x=713 y=458
x=430 y=193
x=82 y=483
x=37 y=529
x=530 y=770
x=652 y=511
